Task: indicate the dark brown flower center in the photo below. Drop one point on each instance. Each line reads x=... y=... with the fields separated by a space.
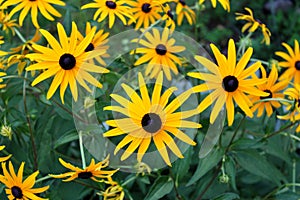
x=230 y=83
x=146 y=7
x=151 y=122
x=111 y=4
x=16 y=192
x=269 y=96
x=90 y=47
x=85 y=175
x=182 y=2
x=170 y=14
x=67 y=61
x=297 y=65
x=161 y=49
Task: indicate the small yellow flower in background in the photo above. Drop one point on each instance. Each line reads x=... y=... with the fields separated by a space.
x=1 y=80
x=142 y=168
x=67 y=61
x=99 y=41
x=253 y=24
x=183 y=10
x=1 y=39
x=294 y=109
x=94 y=171
x=7 y=23
x=36 y=6
x=225 y=4
x=229 y=81
x=145 y=12
x=159 y=49
x=168 y=17
x=155 y=119
x=110 y=9
x=273 y=88
x=6 y=131
x=18 y=189
x=291 y=62
x=113 y=192
x=2 y=159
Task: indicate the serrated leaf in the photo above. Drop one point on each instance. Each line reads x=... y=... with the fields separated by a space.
x=162 y=186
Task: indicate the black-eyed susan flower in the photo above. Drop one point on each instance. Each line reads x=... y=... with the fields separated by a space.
x=99 y=41
x=225 y=4
x=36 y=6
x=2 y=159
x=159 y=49
x=229 y=81
x=253 y=24
x=16 y=188
x=94 y=171
x=168 y=17
x=145 y=12
x=114 y=192
x=273 y=88
x=155 y=119
x=110 y=9
x=292 y=62
x=183 y=10
x=7 y=23
x=66 y=61
x=293 y=108
x=1 y=80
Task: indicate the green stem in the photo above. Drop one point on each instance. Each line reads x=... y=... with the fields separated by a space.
x=279 y=131
x=263 y=62
x=129 y=180
x=294 y=176
x=82 y=150
x=20 y=35
x=43 y=179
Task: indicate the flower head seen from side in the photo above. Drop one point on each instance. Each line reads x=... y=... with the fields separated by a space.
x=252 y=25
x=145 y=12
x=99 y=41
x=274 y=89
x=36 y=6
x=7 y=23
x=94 y=171
x=293 y=109
x=183 y=10
x=159 y=49
x=114 y=192
x=16 y=188
x=155 y=120
x=168 y=17
x=2 y=159
x=229 y=81
x=110 y=9
x=67 y=61
x=291 y=62
x=225 y=4
x=1 y=80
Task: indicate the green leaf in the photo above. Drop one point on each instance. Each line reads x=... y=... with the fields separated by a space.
x=181 y=166
x=68 y=137
x=227 y=196
x=231 y=171
x=256 y=164
x=206 y=164
x=163 y=185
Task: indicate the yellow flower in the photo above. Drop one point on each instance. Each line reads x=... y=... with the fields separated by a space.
x=145 y=12
x=93 y=171
x=17 y=189
x=110 y=9
x=253 y=24
x=168 y=17
x=183 y=10
x=1 y=80
x=225 y=4
x=113 y=192
x=229 y=81
x=66 y=61
x=159 y=49
x=294 y=109
x=44 y=6
x=7 y=23
x=2 y=159
x=292 y=62
x=273 y=88
x=155 y=119
x=99 y=41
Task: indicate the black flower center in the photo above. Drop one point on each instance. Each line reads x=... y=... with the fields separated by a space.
x=16 y=192
x=146 y=7
x=111 y=4
x=170 y=14
x=90 y=47
x=85 y=175
x=161 y=49
x=67 y=61
x=151 y=122
x=269 y=96
x=297 y=65
x=182 y=2
x=230 y=83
